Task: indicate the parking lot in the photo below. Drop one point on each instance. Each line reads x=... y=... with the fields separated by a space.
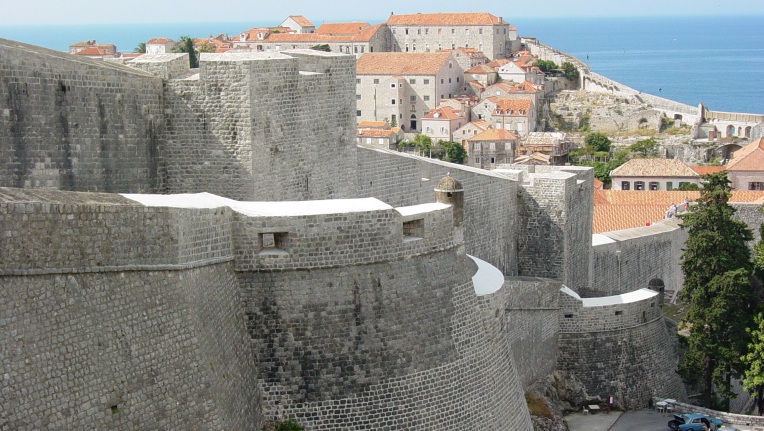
x=642 y=420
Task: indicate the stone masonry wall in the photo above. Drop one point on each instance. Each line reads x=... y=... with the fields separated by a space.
x=627 y=260
x=490 y=199
x=532 y=325
x=74 y=123
x=393 y=345
x=625 y=350
x=120 y=317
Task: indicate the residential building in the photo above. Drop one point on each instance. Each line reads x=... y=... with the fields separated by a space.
x=403 y=87
x=369 y=39
x=483 y=74
x=103 y=48
x=518 y=115
x=159 y=45
x=521 y=69
x=746 y=168
x=544 y=148
x=490 y=148
x=441 y=122
x=470 y=130
x=429 y=32
x=652 y=174
x=298 y=24
x=378 y=133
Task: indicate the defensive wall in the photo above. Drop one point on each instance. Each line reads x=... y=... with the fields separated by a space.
x=619 y=345
x=346 y=313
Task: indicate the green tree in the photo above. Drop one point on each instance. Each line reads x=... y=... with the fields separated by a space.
x=645 y=147
x=717 y=267
x=545 y=65
x=753 y=380
x=688 y=187
x=206 y=46
x=322 y=47
x=288 y=425
x=186 y=44
x=423 y=143
x=570 y=71
x=454 y=151
x=597 y=141
x=140 y=48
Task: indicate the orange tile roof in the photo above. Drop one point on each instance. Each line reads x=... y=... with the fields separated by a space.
x=92 y=51
x=653 y=168
x=477 y=85
x=158 y=41
x=342 y=28
x=494 y=135
x=598 y=184
x=376 y=124
x=498 y=63
x=401 y=63
x=444 y=113
x=607 y=218
x=482 y=69
x=376 y=133
x=301 y=21
x=667 y=197
x=443 y=19
x=367 y=33
x=702 y=170
x=748 y=158
x=510 y=106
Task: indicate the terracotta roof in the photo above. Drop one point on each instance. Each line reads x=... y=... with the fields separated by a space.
x=482 y=69
x=342 y=28
x=497 y=63
x=367 y=33
x=534 y=158
x=607 y=218
x=159 y=41
x=653 y=168
x=494 y=135
x=510 y=106
x=702 y=170
x=477 y=85
x=92 y=51
x=598 y=184
x=443 y=19
x=301 y=21
x=375 y=124
x=401 y=63
x=748 y=158
x=376 y=133
x=667 y=197
x=444 y=113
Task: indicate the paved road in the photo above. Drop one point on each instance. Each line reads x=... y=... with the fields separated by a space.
x=643 y=420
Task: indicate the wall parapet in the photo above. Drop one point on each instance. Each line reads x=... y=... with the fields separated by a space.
x=610 y=313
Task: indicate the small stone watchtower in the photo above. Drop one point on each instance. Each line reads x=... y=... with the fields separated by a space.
x=450 y=191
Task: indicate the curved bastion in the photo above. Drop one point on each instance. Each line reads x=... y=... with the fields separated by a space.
x=251 y=318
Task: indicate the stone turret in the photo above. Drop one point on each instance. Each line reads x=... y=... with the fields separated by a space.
x=450 y=191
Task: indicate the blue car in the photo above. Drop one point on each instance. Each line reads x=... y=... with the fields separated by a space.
x=693 y=422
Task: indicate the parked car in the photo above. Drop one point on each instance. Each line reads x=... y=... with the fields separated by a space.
x=693 y=422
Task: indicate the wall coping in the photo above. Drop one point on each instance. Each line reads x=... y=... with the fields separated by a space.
x=602 y=301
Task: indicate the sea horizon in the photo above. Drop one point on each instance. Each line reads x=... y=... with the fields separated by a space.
x=690 y=59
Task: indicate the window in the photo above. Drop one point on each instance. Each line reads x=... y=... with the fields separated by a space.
x=412 y=81
x=756 y=185
x=477 y=160
x=407 y=47
x=429 y=129
x=457 y=79
x=392 y=118
x=669 y=185
x=507 y=146
x=273 y=243
x=453 y=46
x=480 y=31
x=493 y=160
x=392 y=85
x=639 y=185
x=426 y=98
x=427 y=31
x=466 y=32
x=654 y=185
x=407 y=31
x=476 y=147
x=358 y=80
x=449 y=80
x=450 y=65
x=412 y=98
x=358 y=113
x=426 y=81
x=625 y=185
x=492 y=146
x=376 y=80
x=453 y=31
x=392 y=101
x=442 y=130
x=357 y=97
x=413 y=47
x=442 y=81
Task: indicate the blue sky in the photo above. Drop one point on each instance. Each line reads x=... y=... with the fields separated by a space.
x=145 y=11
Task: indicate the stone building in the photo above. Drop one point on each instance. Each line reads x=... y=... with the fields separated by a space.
x=746 y=169
x=298 y=24
x=518 y=115
x=491 y=148
x=653 y=174
x=363 y=39
x=429 y=32
x=159 y=45
x=440 y=123
x=403 y=87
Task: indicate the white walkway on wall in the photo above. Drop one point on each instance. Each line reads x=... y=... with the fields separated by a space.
x=625 y=298
x=488 y=279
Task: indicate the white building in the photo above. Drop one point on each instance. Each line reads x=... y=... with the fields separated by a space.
x=159 y=45
x=652 y=174
x=299 y=24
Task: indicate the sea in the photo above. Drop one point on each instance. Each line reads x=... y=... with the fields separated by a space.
x=718 y=61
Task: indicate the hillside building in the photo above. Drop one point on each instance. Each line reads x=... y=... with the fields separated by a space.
x=298 y=24
x=746 y=168
x=652 y=174
x=440 y=123
x=159 y=45
x=490 y=148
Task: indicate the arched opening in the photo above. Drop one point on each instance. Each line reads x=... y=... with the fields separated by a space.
x=730 y=131
x=678 y=117
x=657 y=285
x=740 y=131
x=413 y=122
x=725 y=152
x=748 y=132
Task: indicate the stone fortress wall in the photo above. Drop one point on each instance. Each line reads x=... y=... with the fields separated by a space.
x=361 y=318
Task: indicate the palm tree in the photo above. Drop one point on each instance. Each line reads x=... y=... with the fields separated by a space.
x=141 y=48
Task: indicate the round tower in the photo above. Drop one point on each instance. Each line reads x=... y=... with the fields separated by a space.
x=449 y=191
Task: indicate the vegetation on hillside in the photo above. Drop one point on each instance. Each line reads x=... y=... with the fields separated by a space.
x=448 y=151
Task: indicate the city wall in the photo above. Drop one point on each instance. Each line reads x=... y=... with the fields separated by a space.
x=619 y=345
x=73 y=123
